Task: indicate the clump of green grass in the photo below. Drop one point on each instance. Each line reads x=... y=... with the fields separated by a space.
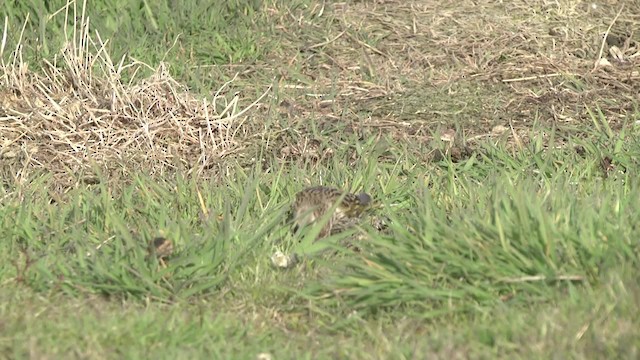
x=145 y=30
x=478 y=247
x=95 y=241
x=497 y=228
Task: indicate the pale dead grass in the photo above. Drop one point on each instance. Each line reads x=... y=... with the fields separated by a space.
x=416 y=66
x=405 y=69
x=77 y=114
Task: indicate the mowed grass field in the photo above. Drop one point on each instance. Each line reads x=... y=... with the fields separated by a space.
x=498 y=141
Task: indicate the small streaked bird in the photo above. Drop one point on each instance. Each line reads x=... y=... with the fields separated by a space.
x=161 y=248
x=311 y=204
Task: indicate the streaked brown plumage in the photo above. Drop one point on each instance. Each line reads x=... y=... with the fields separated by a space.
x=161 y=248
x=311 y=204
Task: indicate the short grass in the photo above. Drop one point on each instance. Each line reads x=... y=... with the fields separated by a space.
x=504 y=161
x=499 y=255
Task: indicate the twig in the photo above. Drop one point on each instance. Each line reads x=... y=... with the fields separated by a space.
x=527 y=78
x=582 y=331
x=542 y=278
x=327 y=42
x=367 y=46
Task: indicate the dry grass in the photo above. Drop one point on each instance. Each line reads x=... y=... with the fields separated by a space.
x=416 y=66
x=79 y=112
x=369 y=68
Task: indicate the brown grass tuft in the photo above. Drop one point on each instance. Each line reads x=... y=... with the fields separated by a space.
x=79 y=113
x=414 y=67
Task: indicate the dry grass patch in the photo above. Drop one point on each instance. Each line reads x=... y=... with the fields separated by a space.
x=78 y=110
x=346 y=71
x=413 y=67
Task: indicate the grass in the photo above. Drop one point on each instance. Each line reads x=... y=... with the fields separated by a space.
x=504 y=164
x=224 y=32
x=495 y=252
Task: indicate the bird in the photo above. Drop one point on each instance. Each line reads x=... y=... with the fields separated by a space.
x=161 y=248
x=311 y=204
